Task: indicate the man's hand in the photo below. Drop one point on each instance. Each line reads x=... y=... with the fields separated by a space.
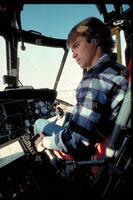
x=39 y=143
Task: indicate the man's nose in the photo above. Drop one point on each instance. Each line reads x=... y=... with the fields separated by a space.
x=74 y=54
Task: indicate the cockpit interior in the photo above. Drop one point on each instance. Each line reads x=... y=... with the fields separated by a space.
x=25 y=173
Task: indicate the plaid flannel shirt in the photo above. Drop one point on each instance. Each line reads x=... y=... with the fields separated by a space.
x=99 y=96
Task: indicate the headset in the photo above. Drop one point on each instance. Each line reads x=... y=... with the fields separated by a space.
x=91 y=38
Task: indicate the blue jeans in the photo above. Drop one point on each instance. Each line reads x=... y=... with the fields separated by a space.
x=49 y=128
x=77 y=142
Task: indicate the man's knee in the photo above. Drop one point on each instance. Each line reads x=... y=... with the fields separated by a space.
x=39 y=125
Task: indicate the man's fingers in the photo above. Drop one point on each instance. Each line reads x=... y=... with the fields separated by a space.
x=41 y=136
x=39 y=143
x=39 y=146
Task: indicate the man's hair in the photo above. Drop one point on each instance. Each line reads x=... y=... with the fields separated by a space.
x=95 y=31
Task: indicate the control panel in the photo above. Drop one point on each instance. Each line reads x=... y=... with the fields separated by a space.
x=20 y=108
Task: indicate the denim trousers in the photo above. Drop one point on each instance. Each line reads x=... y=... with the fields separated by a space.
x=47 y=127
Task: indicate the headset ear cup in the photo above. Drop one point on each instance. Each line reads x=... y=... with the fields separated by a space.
x=94 y=41
x=91 y=38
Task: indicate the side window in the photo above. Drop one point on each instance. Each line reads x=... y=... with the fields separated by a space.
x=123 y=47
x=70 y=78
x=2 y=62
x=120 y=46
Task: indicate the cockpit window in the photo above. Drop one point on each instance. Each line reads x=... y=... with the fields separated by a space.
x=38 y=66
x=2 y=62
x=55 y=20
x=71 y=75
x=110 y=7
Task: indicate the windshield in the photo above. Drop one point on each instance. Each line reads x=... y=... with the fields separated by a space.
x=55 y=20
x=37 y=67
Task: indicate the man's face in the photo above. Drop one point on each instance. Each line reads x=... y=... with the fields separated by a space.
x=83 y=52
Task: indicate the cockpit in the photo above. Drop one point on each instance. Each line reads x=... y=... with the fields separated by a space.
x=38 y=79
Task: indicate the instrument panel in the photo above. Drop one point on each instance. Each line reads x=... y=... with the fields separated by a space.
x=22 y=168
x=20 y=164
x=20 y=108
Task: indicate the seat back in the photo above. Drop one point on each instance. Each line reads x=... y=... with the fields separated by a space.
x=123 y=119
x=112 y=175
x=122 y=122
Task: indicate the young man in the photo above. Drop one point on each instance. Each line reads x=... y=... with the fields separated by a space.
x=99 y=94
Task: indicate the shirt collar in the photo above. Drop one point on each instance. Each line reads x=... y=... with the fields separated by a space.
x=103 y=59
